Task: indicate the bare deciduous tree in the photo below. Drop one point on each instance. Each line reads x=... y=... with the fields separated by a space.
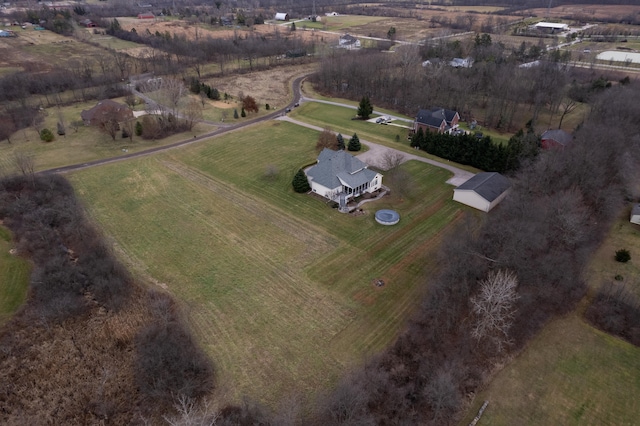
x=391 y=160
x=327 y=139
x=189 y=412
x=493 y=307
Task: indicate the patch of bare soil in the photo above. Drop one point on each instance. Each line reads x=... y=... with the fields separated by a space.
x=268 y=86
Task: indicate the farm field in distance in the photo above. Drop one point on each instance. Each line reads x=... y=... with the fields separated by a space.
x=278 y=286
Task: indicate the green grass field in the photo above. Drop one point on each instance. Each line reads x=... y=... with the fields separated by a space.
x=571 y=374
x=604 y=268
x=277 y=285
x=339 y=119
x=14 y=278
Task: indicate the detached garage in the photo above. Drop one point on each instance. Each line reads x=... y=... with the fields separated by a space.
x=483 y=191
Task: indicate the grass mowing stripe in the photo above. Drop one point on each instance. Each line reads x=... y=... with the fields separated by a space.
x=277 y=285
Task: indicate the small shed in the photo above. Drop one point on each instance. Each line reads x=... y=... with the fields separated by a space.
x=483 y=191
x=146 y=15
x=635 y=214
x=555 y=139
x=282 y=16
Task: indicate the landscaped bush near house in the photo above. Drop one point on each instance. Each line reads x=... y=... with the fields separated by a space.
x=300 y=182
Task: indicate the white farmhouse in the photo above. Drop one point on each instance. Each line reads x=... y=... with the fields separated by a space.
x=348 y=41
x=339 y=176
x=483 y=191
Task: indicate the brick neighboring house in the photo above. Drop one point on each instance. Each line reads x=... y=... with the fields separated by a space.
x=555 y=139
x=436 y=120
x=104 y=111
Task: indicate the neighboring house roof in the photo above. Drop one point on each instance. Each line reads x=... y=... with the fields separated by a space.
x=635 y=214
x=106 y=109
x=489 y=185
x=433 y=117
x=560 y=136
x=337 y=168
x=146 y=15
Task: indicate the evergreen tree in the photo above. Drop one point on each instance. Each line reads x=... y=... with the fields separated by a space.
x=354 y=143
x=300 y=182
x=243 y=113
x=293 y=26
x=365 y=108
x=138 y=128
x=340 y=141
x=235 y=114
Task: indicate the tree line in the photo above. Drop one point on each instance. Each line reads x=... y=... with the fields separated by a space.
x=477 y=151
x=129 y=352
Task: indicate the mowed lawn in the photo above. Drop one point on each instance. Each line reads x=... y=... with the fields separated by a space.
x=14 y=278
x=278 y=286
x=571 y=374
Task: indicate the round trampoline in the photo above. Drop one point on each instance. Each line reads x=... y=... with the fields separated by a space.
x=387 y=217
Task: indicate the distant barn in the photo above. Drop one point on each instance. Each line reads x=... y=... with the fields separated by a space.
x=282 y=16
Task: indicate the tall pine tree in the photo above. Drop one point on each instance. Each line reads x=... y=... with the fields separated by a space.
x=365 y=108
x=340 y=141
x=354 y=143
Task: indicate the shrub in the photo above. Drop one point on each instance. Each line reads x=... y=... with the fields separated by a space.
x=46 y=135
x=623 y=256
x=138 y=128
x=235 y=114
x=267 y=107
x=300 y=182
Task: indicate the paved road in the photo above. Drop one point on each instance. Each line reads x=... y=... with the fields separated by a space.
x=379 y=155
x=220 y=131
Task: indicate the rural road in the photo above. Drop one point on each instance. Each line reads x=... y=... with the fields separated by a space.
x=377 y=155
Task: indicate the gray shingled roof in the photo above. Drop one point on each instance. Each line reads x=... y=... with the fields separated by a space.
x=337 y=167
x=557 y=135
x=489 y=185
x=434 y=116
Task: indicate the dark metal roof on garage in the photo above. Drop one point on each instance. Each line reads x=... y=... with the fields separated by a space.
x=489 y=185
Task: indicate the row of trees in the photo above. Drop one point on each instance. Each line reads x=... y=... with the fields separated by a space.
x=480 y=152
x=495 y=85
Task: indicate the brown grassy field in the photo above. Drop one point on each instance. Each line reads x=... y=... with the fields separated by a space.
x=591 y=12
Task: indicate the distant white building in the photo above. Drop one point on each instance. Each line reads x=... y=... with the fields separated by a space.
x=551 y=27
x=348 y=42
x=462 y=62
x=282 y=16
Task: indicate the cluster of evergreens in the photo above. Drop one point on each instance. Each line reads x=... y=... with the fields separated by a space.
x=479 y=152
